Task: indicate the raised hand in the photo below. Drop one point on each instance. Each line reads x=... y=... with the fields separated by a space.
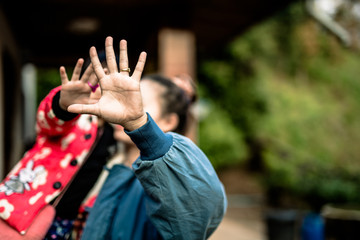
x=77 y=90
x=121 y=101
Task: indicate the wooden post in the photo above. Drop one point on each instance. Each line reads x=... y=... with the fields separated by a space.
x=176 y=52
x=177 y=56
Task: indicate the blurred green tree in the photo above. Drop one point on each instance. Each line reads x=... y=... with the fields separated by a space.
x=47 y=79
x=292 y=95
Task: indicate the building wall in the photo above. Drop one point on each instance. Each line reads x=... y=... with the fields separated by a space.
x=10 y=99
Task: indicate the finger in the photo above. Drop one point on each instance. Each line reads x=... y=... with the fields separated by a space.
x=88 y=72
x=110 y=55
x=139 y=66
x=84 y=109
x=63 y=76
x=123 y=62
x=93 y=80
x=77 y=70
x=99 y=71
x=95 y=96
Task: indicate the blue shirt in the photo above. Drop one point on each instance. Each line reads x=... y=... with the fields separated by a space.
x=172 y=192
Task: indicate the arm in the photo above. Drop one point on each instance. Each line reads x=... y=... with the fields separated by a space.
x=49 y=161
x=175 y=174
x=187 y=200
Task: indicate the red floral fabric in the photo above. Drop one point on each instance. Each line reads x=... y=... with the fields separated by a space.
x=46 y=169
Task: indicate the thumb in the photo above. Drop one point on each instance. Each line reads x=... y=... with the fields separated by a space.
x=84 y=109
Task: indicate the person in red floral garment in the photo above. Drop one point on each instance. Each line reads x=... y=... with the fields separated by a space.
x=69 y=148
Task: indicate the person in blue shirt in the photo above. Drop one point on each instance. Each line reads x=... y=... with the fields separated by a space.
x=170 y=191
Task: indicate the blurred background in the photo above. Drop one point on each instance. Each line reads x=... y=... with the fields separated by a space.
x=279 y=106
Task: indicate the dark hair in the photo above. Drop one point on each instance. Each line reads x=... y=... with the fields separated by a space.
x=174 y=100
x=193 y=94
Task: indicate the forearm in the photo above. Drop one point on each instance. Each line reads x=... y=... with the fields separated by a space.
x=150 y=140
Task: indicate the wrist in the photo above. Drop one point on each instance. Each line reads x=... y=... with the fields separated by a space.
x=63 y=107
x=151 y=140
x=137 y=123
x=59 y=112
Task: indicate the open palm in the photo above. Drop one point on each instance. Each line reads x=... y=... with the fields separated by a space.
x=121 y=100
x=76 y=90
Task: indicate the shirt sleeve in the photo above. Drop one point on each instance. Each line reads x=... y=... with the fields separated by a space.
x=186 y=198
x=51 y=120
x=59 y=112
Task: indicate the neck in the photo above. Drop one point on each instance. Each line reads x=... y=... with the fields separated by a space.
x=132 y=153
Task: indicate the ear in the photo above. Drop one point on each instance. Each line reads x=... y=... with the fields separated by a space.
x=169 y=122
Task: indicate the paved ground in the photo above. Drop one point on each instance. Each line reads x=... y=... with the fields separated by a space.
x=242 y=221
x=244 y=218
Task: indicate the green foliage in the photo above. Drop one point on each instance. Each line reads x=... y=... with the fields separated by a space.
x=220 y=139
x=47 y=79
x=292 y=87
x=241 y=97
x=310 y=150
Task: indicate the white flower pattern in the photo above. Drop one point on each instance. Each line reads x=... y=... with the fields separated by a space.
x=84 y=122
x=66 y=160
x=44 y=152
x=21 y=182
x=67 y=140
x=5 y=209
x=35 y=198
x=40 y=179
x=42 y=120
